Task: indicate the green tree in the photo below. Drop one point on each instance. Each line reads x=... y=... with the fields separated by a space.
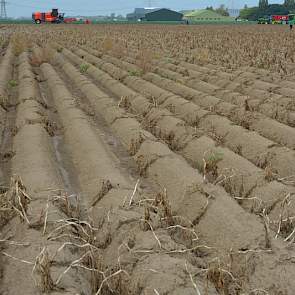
x=251 y=13
x=290 y=4
x=222 y=10
x=277 y=9
x=254 y=13
x=263 y=4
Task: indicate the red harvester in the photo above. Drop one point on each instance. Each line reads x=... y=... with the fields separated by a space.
x=48 y=17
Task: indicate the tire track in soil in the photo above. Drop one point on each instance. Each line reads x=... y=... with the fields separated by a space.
x=82 y=83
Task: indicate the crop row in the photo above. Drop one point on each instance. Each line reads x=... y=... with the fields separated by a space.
x=264 y=97
x=237 y=87
x=239 y=177
x=112 y=194
x=223 y=216
x=35 y=182
x=257 y=149
x=255 y=96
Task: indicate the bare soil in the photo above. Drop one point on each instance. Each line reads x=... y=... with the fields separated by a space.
x=122 y=175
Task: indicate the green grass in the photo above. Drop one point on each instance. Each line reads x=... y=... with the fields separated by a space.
x=134 y=73
x=12 y=83
x=84 y=68
x=214 y=157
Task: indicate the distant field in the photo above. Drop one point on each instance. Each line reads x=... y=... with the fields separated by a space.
x=9 y=21
x=147 y=159
x=136 y=22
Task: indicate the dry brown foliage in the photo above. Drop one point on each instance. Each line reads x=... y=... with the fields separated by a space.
x=20 y=42
x=14 y=201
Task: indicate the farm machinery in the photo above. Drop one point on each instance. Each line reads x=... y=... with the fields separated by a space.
x=264 y=20
x=279 y=19
x=275 y=19
x=53 y=16
x=291 y=19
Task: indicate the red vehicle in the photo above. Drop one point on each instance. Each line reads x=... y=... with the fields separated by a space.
x=279 y=19
x=69 y=20
x=48 y=17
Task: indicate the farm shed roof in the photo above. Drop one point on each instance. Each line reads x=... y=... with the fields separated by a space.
x=145 y=10
x=141 y=12
x=164 y=14
x=204 y=14
x=184 y=12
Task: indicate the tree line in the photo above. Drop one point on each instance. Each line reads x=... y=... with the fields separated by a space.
x=222 y=10
x=265 y=9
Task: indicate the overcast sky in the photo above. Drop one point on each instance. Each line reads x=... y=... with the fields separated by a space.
x=17 y=8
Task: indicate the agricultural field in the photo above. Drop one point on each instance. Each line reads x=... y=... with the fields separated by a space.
x=139 y=159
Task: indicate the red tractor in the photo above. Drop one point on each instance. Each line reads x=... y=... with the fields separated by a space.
x=48 y=17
